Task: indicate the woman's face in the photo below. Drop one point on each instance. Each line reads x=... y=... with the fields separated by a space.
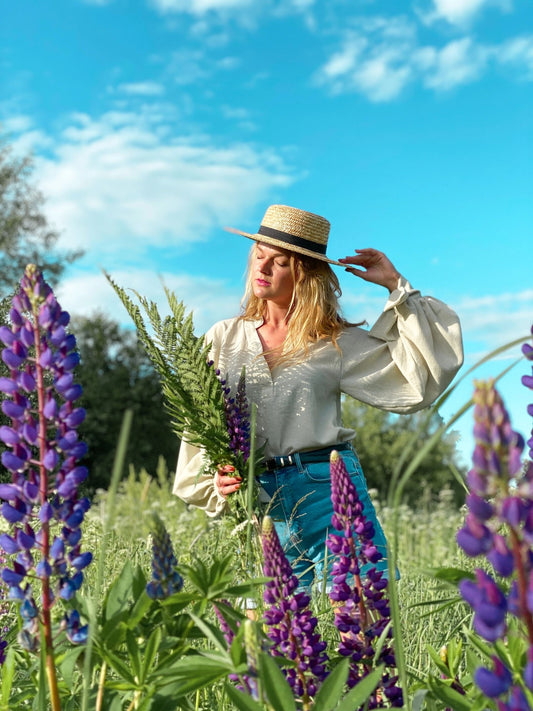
x=272 y=275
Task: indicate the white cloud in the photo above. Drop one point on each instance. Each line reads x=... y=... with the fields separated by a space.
x=517 y=53
x=123 y=184
x=493 y=320
x=144 y=88
x=372 y=60
x=380 y=57
x=84 y=293
x=459 y=12
x=199 y=7
x=459 y=62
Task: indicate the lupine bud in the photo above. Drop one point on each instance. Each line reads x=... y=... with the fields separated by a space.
x=165 y=578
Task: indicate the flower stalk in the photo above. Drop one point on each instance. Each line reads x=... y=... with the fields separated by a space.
x=499 y=526
x=43 y=450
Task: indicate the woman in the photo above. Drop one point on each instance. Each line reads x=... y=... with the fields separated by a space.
x=300 y=356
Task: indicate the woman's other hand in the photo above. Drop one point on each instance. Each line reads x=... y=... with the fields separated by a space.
x=225 y=482
x=376 y=267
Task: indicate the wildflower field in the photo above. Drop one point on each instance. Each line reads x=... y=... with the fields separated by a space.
x=133 y=601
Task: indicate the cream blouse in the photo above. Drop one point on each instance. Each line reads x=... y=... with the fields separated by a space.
x=402 y=364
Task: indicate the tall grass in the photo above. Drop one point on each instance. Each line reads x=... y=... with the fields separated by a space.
x=426 y=541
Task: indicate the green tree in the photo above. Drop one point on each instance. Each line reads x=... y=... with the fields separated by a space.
x=116 y=374
x=381 y=438
x=25 y=234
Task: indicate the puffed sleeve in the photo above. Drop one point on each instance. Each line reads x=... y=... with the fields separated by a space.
x=408 y=357
x=195 y=488
x=189 y=484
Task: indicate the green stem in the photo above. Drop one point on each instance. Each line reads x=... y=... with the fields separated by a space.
x=100 y=695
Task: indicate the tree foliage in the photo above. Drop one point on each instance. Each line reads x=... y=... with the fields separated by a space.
x=116 y=374
x=381 y=438
x=25 y=234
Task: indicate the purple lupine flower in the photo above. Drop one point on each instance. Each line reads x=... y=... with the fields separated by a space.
x=489 y=605
x=361 y=608
x=165 y=577
x=45 y=477
x=237 y=417
x=493 y=683
x=76 y=633
x=499 y=526
x=290 y=625
x=517 y=701
x=527 y=380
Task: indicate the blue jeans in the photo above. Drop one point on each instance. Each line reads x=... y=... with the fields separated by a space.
x=299 y=503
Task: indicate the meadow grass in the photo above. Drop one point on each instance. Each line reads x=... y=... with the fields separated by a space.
x=426 y=542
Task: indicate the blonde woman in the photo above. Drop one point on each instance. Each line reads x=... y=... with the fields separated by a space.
x=300 y=356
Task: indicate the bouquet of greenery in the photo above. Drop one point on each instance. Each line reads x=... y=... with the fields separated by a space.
x=202 y=409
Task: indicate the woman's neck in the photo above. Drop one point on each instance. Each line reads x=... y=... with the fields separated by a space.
x=276 y=317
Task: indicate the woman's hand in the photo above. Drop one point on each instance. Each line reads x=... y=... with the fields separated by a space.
x=225 y=482
x=377 y=268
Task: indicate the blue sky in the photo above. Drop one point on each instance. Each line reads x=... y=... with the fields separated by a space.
x=155 y=123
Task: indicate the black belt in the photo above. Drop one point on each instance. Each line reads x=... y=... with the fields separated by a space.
x=315 y=455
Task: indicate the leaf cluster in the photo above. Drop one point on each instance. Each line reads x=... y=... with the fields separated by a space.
x=192 y=391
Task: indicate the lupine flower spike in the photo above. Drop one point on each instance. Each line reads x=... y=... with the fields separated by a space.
x=43 y=451
x=290 y=624
x=361 y=608
x=165 y=577
x=237 y=413
x=499 y=526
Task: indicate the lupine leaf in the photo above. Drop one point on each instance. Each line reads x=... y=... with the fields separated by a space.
x=119 y=594
x=359 y=694
x=150 y=653
x=331 y=690
x=241 y=700
x=211 y=632
x=449 y=696
x=8 y=674
x=276 y=687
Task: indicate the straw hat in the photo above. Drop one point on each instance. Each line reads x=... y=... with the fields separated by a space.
x=295 y=230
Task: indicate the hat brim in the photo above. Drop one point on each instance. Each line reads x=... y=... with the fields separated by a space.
x=285 y=245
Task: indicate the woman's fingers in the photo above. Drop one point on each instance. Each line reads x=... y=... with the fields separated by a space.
x=225 y=481
x=377 y=267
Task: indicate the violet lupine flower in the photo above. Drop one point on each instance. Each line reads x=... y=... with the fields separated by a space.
x=527 y=380
x=237 y=417
x=43 y=451
x=165 y=577
x=361 y=608
x=517 y=701
x=290 y=624
x=494 y=500
x=499 y=526
x=489 y=605
x=493 y=683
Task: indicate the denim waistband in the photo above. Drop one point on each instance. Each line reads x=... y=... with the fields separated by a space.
x=314 y=455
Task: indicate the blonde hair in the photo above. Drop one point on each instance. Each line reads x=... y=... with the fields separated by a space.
x=314 y=311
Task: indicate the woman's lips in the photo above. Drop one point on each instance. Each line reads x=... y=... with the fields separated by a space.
x=262 y=282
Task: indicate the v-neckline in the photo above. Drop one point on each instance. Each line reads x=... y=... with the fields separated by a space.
x=259 y=346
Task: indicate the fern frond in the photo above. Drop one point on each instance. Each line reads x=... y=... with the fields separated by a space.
x=192 y=392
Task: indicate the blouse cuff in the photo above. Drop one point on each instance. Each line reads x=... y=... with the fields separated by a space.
x=400 y=294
